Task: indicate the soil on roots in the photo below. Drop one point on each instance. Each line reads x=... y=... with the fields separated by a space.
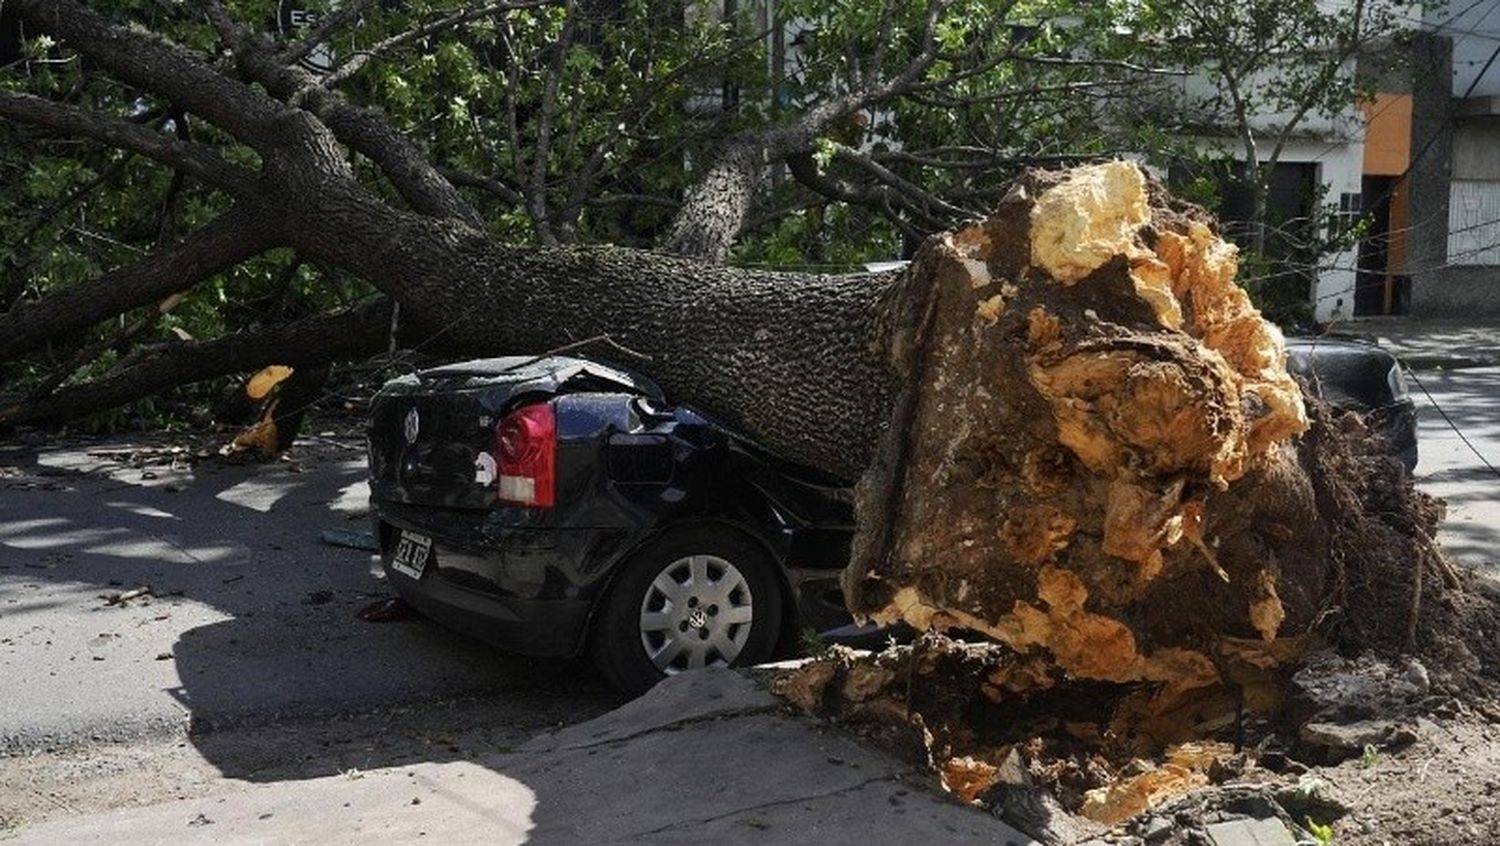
x=1395 y=593
x=1381 y=722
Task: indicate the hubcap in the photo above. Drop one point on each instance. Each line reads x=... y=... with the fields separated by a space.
x=697 y=613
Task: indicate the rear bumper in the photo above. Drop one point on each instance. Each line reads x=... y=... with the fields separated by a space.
x=529 y=596
x=538 y=628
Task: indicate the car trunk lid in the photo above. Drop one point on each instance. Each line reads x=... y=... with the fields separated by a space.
x=432 y=433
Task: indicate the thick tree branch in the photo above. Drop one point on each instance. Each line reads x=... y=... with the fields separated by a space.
x=355 y=333
x=716 y=206
x=197 y=160
x=364 y=130
x=447 y=276
x=223 y=243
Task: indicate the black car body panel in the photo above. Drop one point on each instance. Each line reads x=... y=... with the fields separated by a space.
x=631 y=466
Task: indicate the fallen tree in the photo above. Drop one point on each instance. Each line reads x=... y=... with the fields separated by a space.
x=1074 y=435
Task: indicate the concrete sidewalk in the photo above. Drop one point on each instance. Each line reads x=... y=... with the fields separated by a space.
x=704 y=757
x=1430 y=343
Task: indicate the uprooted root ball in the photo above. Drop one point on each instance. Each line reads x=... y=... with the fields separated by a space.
x=1099 y=456
x=1099 y=462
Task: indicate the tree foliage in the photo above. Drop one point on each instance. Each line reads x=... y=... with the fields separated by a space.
x=846 y=131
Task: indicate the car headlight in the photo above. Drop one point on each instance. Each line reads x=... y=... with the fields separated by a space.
x=1397 y=380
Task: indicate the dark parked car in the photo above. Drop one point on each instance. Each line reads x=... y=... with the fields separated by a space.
x=1354 y=375
x=555 y=506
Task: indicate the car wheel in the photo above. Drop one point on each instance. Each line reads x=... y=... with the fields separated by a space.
x=698 y=597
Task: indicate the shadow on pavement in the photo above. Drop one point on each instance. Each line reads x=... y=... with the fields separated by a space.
x=249 y=619
x=705 y=757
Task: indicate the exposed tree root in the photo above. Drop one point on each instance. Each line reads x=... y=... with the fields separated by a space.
x=1065 y=759
x=1092 y=451
x=1099 y=456
x=1099 y=462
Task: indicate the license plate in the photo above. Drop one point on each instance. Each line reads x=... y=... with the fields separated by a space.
x=412 y=552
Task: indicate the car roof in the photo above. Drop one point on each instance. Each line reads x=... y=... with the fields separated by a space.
x=545 y=373
x=1333 y=347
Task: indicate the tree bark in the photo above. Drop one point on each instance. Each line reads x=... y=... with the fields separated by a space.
x=715 y=208
x=793 y=359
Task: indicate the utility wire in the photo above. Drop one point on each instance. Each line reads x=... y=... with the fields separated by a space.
x=1452 y=425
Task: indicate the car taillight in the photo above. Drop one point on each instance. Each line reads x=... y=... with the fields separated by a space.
x=526 y=451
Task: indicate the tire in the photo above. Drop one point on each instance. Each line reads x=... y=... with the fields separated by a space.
x=653 y=606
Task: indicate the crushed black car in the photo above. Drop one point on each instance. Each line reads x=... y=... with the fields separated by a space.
x=557 y=506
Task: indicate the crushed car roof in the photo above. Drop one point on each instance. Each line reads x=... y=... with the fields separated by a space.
x=537 y=374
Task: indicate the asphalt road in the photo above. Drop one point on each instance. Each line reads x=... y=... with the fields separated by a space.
x=252 y=619
x=1456 y=471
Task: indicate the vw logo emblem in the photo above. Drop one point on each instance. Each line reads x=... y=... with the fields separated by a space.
x=413 y=426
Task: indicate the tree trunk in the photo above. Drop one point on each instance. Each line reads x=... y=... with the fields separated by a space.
x=795 y=360
x=1079 y=434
